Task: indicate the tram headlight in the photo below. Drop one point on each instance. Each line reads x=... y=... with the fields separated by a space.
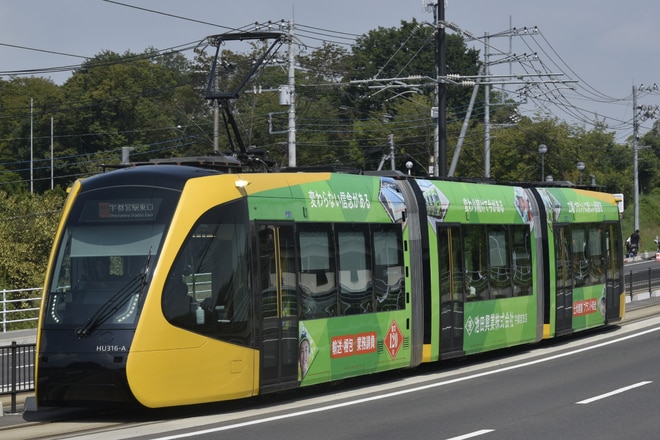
x=240 y=183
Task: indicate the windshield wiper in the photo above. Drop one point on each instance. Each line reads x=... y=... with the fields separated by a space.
x=116 y=302
x=134 y=287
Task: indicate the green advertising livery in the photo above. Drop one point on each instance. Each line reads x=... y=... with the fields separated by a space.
x=224 y=286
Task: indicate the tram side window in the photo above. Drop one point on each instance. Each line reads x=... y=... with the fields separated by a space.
x=211 y=273
x=388 y=275
x=450 y=271
x=499 y=262
x=288 y=271
x=355 y=277
x=562 y=257
x=272 y=261
x=476 y=266
x=268 y=272
x=595 y=255
x=613 y=251
x=317 y=272
x=579 y=261
x=522 y=260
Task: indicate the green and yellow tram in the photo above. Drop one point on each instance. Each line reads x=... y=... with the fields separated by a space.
x=173 y=285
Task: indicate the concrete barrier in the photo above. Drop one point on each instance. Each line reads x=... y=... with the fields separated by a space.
x=30 y=404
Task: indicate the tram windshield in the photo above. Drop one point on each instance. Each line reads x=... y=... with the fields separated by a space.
x=104 y=254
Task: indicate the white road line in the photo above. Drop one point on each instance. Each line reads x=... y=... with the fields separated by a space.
x=472 y=434
x=612 y=393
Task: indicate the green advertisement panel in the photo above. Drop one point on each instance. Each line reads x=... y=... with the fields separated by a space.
x=342 y=347
x=589 y=306
x=496 y=324
x=458 y=202
x=341 y=197
x=578 y=206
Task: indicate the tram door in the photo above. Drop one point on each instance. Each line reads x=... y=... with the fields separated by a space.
x=279 y=305
x=613 y=286
x=452 y=296
x=564 y=280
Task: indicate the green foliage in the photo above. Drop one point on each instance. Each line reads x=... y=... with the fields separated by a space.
x=27 y=105
x=27 y=227
x=122 y=100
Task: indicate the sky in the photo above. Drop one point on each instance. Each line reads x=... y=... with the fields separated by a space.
x=609 y=47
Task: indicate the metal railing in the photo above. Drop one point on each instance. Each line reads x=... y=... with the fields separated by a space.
x=17 y=361
x=17 y=370
x=18 y=306
x=642 y=281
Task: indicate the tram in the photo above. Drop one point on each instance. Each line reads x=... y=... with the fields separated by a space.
x=174 y=285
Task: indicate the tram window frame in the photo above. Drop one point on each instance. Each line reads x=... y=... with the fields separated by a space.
x=267 y=269
x=595 y=256
x=500 y=277
x=452 y=274
x=579 y=251
x=228 y=308
x=354 y=268
x=563 y=256
x=475 y=260
x=522 y=262
x=317 y=273
x=388 y=267
x=613 y=250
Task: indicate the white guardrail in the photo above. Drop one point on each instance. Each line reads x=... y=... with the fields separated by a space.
x=20 y=305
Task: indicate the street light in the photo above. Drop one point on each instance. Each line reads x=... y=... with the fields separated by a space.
x=580 y=167
x=542 y=150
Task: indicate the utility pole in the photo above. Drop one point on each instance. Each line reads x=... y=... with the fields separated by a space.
x=439 y=110
x=52 y=160
x=487 y=110
x=440 y=160
x=31 y=146
x=292 y=99
x=646 y=112
x=635 y=149
x=392 y=159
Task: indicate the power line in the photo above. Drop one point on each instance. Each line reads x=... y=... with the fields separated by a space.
x=179 y=17
x=43 y=51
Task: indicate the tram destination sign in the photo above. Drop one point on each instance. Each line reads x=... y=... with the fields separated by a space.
x=120 y=210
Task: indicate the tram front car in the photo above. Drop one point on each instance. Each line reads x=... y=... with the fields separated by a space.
x=109 y=332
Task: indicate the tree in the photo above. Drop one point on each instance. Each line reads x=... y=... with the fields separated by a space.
x=124 y=100
x=324 y=126
x=27 y=227
x=649 y=159
x=27 y=106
